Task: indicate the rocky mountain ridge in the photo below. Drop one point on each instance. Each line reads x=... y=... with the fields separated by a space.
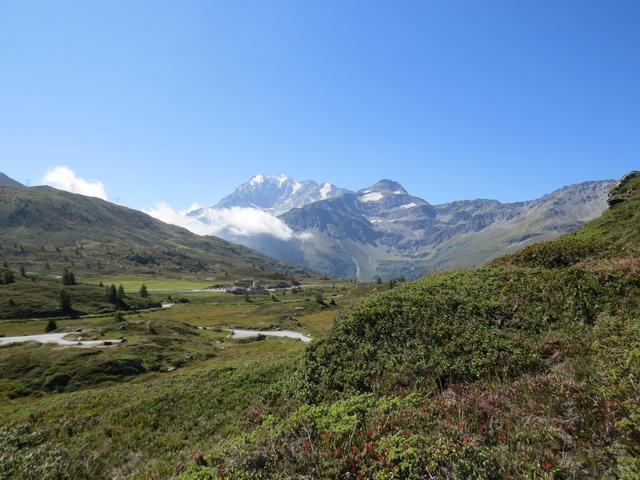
x=384 y=231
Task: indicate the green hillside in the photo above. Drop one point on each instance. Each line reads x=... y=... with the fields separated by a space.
x=46 y=230
x=6 y=181
x=527 y=368
x=32 y=296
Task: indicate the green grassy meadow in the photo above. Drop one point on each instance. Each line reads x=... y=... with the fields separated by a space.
x=133 y=283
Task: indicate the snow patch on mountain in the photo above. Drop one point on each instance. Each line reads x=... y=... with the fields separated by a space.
x=278 y=195
x=297 y=186
x=256 y=180
x=325 y=190
x=281 y=179
x=408 y=205
x=371 y=197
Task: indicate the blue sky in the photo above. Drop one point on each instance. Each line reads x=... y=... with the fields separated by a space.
x=182 y=101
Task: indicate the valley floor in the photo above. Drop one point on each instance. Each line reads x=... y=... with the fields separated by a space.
x=178 y=385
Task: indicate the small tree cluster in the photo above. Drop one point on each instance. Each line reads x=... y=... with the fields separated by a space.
x=394 y=281
x=51 y=326
x=68 y=278
x=115 y=295
x=8 y=277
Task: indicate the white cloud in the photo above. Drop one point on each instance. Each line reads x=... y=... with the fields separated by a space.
x=64 y=178
x=236 y=221
x=194 y=206
x=165 y=213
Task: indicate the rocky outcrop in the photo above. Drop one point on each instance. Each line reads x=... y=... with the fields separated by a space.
x=628 y=186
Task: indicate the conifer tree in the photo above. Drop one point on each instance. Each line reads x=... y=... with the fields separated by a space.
x=68 y=278
x=8 y=277
x=65 y=302
x=111 y=293
x=120 y=296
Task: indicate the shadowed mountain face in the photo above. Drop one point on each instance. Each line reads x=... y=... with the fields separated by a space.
x=384 y=231
x=46 y=229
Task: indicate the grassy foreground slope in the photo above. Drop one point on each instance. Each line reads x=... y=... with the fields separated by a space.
x=526 y=368
x=47 y=230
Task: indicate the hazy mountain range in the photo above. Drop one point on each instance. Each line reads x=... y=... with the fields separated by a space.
x=382 y=230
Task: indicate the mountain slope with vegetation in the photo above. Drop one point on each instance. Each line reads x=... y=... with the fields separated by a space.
x=6 y=181
x=526 y=368
x=30 y=296
x=46 y=230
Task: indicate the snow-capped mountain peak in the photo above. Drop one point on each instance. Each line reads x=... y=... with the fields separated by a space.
x=276 y=194
x=256 y=180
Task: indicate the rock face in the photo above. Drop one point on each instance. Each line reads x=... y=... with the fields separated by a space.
x=627 y=187
x=384 y=231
